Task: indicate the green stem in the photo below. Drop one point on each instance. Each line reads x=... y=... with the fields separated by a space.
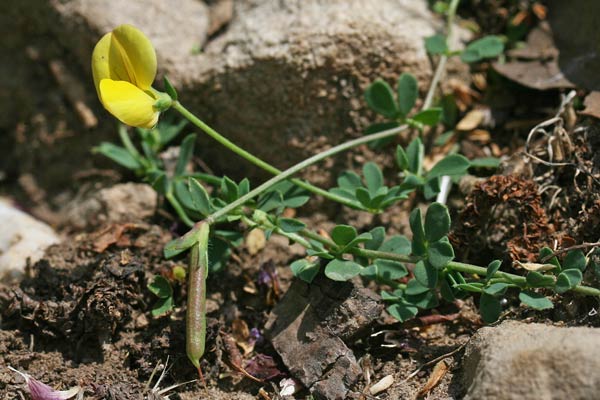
x=178 y=209
x=262 y=164
x=444 y=58
x=300 y=166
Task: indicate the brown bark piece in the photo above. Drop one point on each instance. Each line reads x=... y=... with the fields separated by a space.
x=308 y=328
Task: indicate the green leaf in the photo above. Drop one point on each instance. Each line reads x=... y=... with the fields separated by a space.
x=413 y=288
x=492 y=268
x=181 y=244
x=425 y=274
x=162 y=306
x=470 y=287
x=446 y=291
x=349 y=180
x=415 y=153
x=380 y=98
x=496 y=289
x=454 y=164
x=186 y=152
x=486 y=47
x=537 y=279
x=449 y=116
x=385 y=270
x=408 y=92
x=575 y=259
x=342 y=270
x=535 y=300
x=429 y=117
x=425 y=300
x=485 y=162
x=419 y=244
x=546 y=252
x=380 y=127
x=377 y=238
x=199 y=197
x=118 y=154
x=436 y=44
x=362 y=238
x=396 y=244
x=401 y=158
x=373 y=177
x=440 y=253
x=443 y=138
x=229 y=190
x=291 y=225
x=160 y=287
x=431 y=188
x=567 y=280
x=170 y=89
x=402 y=312
x=343 y=234
x=305 y=270
x=490 y=308
x=437 y=222
x=183 y=194
x=169 y=130
x=270 y=201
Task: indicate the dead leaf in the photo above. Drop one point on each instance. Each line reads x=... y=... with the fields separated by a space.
x=255 y=241
x=439 y=371
x=471 y=121
x=592 y=105
x=437 y=318
x=537 y=66
x=113 y=234
x=529 y=266
x=241 y=334
x=383 y=384
x=263 y=367
x=234 y=357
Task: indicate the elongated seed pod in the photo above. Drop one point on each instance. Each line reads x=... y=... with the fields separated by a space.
x=195 y=330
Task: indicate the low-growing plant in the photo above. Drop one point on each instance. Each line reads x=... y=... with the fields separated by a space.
x=419 y=272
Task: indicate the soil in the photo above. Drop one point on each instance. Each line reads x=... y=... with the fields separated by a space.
x=82 y=316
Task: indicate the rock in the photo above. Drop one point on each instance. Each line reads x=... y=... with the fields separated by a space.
x=308 y=328
x=127 y=202
x=23 y=239
x=532 y=361
x=284 y=79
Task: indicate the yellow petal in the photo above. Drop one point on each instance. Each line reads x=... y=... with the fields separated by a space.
x=137 y=55
x=100 y=67
x=128 y=103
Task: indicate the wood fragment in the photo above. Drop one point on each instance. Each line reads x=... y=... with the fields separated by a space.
x=439 y=371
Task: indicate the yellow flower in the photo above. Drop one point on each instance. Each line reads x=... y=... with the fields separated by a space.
x=124 y=67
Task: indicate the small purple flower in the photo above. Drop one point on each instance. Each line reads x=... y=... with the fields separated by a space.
x=41 y=391
x=256 y=337
x=267 y=274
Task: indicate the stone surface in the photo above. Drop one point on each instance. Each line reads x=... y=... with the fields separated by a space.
x=532 y=361
x=283 y=79
x=126 y=202
x=23 y=239
x=309 y=326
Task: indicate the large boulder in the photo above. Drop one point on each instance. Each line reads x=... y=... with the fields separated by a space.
x=532 y=361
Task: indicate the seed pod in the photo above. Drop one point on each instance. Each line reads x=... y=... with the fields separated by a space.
x=196 y=302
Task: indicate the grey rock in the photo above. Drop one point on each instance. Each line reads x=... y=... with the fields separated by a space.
x=308 y=328
x=23 y=239
x=126 y=202
x=532 y=361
